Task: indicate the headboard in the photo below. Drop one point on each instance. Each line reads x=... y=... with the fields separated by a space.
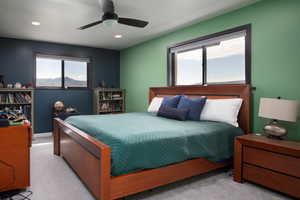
x=212 y=92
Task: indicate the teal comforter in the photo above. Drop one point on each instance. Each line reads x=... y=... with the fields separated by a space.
x=143 y=141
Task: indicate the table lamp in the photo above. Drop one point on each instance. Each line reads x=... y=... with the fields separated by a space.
x=278 y=109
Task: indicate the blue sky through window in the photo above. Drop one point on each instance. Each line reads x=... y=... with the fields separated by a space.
x=225 y=63
x=48 y=69
x=76 y=70
x=189 y=68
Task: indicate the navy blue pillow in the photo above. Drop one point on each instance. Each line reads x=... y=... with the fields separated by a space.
x=171 y=101
x=194 y=105
x=173 y=113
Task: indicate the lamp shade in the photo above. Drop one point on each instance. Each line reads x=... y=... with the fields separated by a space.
x=279 y=109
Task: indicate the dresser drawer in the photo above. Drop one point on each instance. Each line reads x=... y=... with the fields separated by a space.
x=14 y=157
x=274 y=161
x=271 y=179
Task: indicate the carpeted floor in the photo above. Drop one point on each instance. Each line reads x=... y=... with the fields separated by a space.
x=52 y=179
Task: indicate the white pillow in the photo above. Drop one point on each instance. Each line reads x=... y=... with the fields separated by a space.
x=155 y=104
x=222 y=110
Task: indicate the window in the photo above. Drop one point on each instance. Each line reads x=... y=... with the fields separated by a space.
x=75 y=74
x=226 y=61
x=48 y=72
x=220 y=58
x=61 y=72
x=189 y=64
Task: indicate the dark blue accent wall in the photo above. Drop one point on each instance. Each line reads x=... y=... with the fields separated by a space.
x=17 y=65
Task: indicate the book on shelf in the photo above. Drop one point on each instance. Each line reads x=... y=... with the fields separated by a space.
x=15 y=98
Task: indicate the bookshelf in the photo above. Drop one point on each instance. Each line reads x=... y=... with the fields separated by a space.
x=109 y=100
x=18 y=99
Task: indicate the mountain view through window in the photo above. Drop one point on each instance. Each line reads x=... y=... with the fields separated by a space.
x=50 y=71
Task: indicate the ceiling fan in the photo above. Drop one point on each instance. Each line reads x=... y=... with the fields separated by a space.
x=110 y=17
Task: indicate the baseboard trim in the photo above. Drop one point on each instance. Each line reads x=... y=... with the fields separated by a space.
x=39 y=135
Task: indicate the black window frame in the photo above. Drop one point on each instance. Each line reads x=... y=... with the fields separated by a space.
x=63 y=87
x=189 y=45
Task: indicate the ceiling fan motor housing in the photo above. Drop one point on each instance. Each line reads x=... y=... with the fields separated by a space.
x=110 y=16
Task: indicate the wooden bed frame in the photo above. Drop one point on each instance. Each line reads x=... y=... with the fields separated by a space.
x=91 y=159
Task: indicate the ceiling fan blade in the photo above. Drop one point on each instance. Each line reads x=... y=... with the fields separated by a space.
x=132 y=22
x=107 y=6
x=90 y=25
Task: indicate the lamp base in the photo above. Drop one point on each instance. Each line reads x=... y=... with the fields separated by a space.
x=274 y=137
x=274 y=130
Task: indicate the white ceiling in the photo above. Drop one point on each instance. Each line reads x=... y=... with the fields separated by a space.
x=61 y=18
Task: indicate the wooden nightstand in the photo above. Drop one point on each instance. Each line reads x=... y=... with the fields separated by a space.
x=272 y=163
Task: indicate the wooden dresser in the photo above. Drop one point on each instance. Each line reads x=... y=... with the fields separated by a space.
x=271 y=163
x=15 y=143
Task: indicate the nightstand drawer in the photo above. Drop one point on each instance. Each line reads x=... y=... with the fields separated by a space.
x=274 y=161
x=277 y=181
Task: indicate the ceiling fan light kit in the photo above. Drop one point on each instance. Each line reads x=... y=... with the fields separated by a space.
x=110 y=17
x=110 y=22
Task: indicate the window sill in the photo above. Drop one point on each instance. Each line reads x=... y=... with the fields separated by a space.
x=59 y=88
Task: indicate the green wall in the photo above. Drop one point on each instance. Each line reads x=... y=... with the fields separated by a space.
x=275 y=55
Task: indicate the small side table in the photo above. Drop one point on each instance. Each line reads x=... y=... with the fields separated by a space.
x=269 y=162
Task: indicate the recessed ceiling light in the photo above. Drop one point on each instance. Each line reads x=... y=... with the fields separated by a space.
x=35 y=23
x=118 y=36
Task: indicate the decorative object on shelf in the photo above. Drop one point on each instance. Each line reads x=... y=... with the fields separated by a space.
x=109 y=100
x=9 y=85
x=102 y=84
x=278 y=109
x=104 y=107
x=29 y=85
x=63 y=113
x=71 y=110
x=2 y=85
x=18 y=85
x=59 y=107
